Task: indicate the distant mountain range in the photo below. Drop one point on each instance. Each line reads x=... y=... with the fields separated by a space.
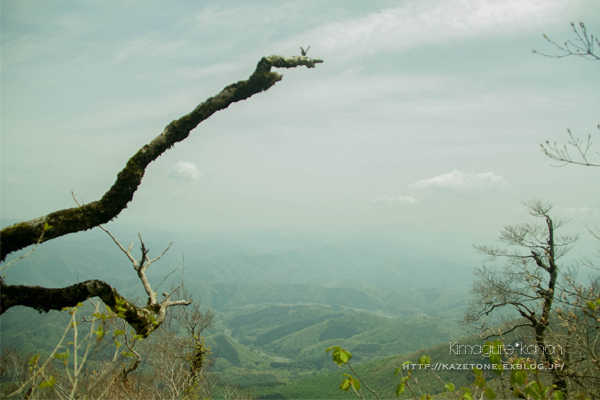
x=276 y=310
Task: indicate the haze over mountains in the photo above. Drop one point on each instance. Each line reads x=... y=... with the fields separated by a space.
x=266 y=257
x=279 y=300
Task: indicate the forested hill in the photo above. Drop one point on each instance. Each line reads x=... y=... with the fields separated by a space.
x=276 y=310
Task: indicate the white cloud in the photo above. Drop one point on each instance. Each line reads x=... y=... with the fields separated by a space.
x=184 y=170
x=462 y=181
x=393 y=200
x=415 y=24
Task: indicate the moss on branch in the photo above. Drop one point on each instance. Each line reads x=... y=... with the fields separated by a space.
x=88 y=216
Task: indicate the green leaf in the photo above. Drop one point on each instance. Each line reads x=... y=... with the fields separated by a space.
x=345 y=385
x=495 y=350
x=450 y=387
x=99 y=333
x=101 y=316
x=591 y=305
x=340 y=356
x=62 y=356
x=397 y=371
x=424 y=360
x=407 y=362
x=400 y=389
x=499 y=369
x=517 y=377
x=331 y=348
x=345 y=355
x=533 y=390
x=33 y=361
x=477 y=371
x=480 y=381
x=495 y=358
x=558 y=395
x=356 y=384
x=49 y=383
x=489 y=393
x=466 y=389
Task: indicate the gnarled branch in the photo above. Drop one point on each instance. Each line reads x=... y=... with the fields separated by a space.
x=77 y=219
x=46 y=299
x=143 y=320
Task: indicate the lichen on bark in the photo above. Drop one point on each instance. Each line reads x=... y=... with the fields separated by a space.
x=59 y=223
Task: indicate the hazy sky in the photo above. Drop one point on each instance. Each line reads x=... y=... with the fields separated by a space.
x=423 y=123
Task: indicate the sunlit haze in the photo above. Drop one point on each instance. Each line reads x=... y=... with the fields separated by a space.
x=422 y=126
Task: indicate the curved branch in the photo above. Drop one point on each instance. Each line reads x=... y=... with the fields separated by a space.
x=501 y=332
x=143 y=320
x=88 y=216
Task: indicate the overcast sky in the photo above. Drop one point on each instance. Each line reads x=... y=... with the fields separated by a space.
x=423 y=123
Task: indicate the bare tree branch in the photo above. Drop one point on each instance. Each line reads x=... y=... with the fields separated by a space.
x=143 y=320
x=46 y=299
x=582 y=47
x=562 y=154
x=23 y=234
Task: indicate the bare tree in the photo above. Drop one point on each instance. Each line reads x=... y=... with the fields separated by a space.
x=67 y=374
x=576 y=150
x=63 y=222
x=184 y=359
x=527 y=283
x=234 y=392
x=576 y=322
x=174 y=361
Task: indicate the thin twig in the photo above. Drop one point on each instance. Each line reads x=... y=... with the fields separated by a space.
x=361 y=381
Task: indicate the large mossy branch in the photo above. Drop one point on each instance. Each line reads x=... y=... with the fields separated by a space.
x=143 y=320
x=88 y=216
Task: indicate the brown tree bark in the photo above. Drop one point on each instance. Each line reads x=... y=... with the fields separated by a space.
x=143 y=319
x=23 y=234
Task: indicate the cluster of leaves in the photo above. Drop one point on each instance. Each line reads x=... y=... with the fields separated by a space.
x=525 y=380
x=341 y=357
